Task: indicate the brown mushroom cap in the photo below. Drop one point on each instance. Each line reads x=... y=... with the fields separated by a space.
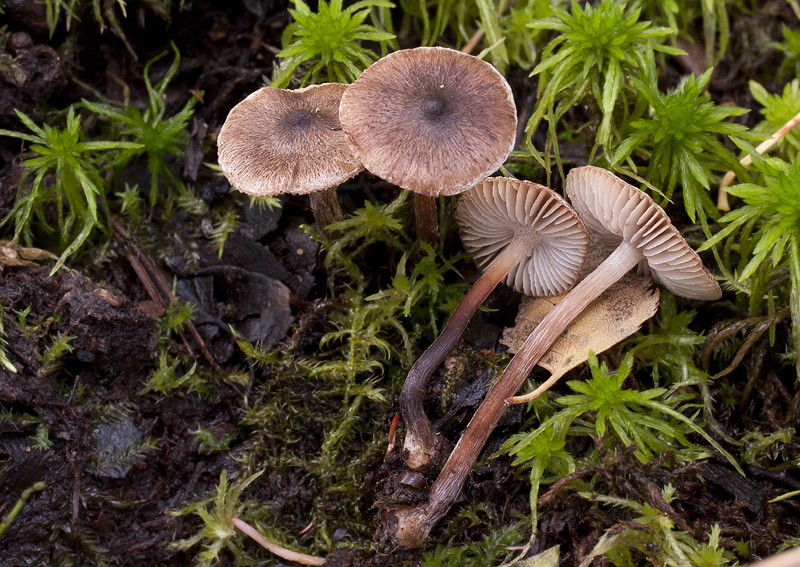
x=286 y=141
x=497 y=209
x=618 y=211
x=431 y=120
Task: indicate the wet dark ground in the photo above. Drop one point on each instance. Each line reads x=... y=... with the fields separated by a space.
x=101 y=503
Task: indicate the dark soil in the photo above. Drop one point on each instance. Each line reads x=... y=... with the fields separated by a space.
x=98 y=505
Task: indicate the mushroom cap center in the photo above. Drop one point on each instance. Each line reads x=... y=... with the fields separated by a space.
x=278 y=141
x=430 y=119
x=435 y=106
x=300 y=119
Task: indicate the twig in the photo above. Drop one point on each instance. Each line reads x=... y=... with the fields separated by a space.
x=722 y=196
x=76 y=495
x=272 y=547
x=392 y=432
x=305 y=529
x=479 y=33
x=145 y=278
x=158 y=289
x=790 y=558
x=759 y=326
x=795 y=8
x=530 y=396
x=473 y=41
x=165 y=289
x=559 y=485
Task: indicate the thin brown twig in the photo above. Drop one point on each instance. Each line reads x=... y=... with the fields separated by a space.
x=152 y=290
x=479 y=33
x=753 y=374
x=759 y=324
x=136 y=261
x=392 y=433
x=473 y=41
x=562 y=483
x=157 y=287
x=165 y=288
x=144 y=277
x=76 y=495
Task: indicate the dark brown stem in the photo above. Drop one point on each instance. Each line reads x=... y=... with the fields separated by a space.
x=325 y=206
x=411 y=525
x=425 y=211
x=421 y=445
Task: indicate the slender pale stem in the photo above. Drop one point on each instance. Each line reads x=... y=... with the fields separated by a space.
x=421 y=445
x=530 y=396
x=722 y=196
x=411 y=525
x=794 y=297
x=790 y=558
x=273 y=547
x=325 y=206
x=425 y=211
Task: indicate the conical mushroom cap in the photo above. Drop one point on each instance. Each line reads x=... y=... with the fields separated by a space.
x=617 y=211
x=430 y=119
x=286 y=141
x=497 y=209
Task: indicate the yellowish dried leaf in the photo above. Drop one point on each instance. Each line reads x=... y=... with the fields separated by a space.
x=616 y=314
x=547 y=558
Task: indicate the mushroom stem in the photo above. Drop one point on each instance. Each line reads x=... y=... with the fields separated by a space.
x=410 y=525
x=325 y=206
x=421 y=444
x=425 y=211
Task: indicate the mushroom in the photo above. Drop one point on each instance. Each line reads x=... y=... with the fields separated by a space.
x=431 y=120
x=517 y=230
x=620 y=214
x=289 y=141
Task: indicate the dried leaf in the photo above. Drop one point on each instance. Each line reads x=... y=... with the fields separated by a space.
x=547 y=558
x=616 y=314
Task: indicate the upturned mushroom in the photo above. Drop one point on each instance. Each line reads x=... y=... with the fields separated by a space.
x=620 y=215
x=515 y=230
x=431 y=120
x=289 y=141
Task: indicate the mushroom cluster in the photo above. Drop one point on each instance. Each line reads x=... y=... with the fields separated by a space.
x=437 y=122
x=621 y=215
x=431 y=120
x=515 y=230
